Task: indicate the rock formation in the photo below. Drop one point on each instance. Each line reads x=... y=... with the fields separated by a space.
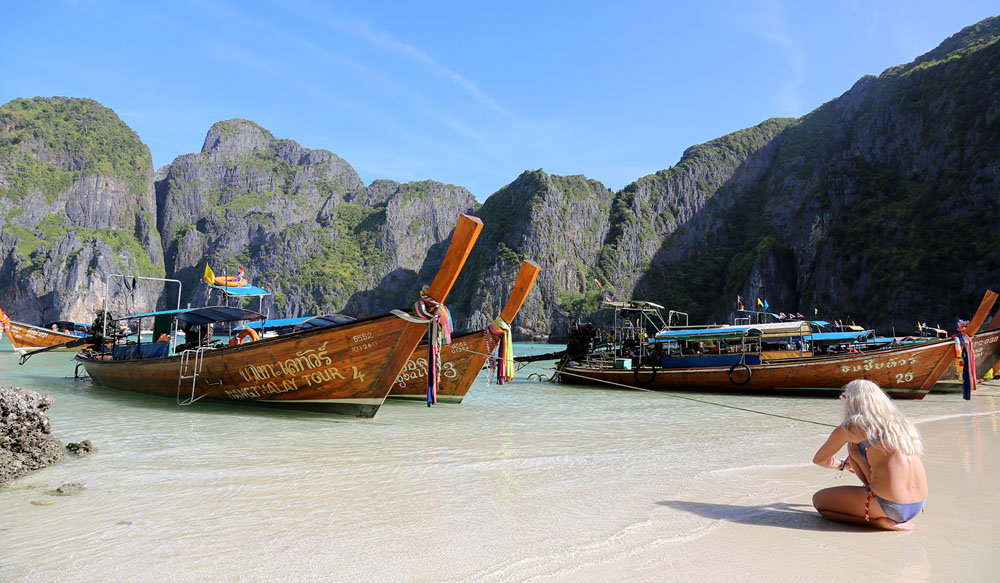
x=26 y=441
x=880 y=205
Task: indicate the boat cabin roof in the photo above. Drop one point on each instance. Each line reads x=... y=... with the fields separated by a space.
x=298 y=323
x=776 y=330
x=842 y=337
x=204 y=315
x=67 y=325
x=637 y=305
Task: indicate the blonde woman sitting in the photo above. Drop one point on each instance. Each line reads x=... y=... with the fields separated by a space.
x=884 y=450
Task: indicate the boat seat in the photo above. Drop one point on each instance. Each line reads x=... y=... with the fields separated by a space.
x=148 y=350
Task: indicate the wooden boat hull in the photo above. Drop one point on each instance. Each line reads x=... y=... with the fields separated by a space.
x=27 y=338
x=461 y=363
x=904 y=373
x=345 y=368
x=986 y=348
x=341 y=369
x=463 y=359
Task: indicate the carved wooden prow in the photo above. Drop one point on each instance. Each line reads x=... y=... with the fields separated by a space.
x=985 y=306
x=525 y=281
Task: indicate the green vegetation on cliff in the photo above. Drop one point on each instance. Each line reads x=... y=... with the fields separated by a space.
x=47 y=143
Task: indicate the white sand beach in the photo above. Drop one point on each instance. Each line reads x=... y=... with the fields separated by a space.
x=523 y=482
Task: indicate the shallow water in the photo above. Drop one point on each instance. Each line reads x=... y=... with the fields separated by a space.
x=526 y=481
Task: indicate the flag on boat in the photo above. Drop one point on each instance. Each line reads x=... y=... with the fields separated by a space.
x=766 y=305
x=782 y=315
x=209 y=275
x=739 y=301
x=798 y=315
x=760 y=303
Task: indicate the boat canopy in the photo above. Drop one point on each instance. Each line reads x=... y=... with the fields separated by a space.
x=636 y=305
x=243 y=290
x=826 y=338
x=67 y=325
x=776 y=330
x=298 y=323
x=205 y=315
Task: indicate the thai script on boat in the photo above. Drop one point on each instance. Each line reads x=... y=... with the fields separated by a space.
x=311 y=378
x=877 y=363
x=304 y=361
x=416 y=368
x=979 y=348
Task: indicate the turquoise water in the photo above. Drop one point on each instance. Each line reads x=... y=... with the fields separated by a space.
x=526 y=481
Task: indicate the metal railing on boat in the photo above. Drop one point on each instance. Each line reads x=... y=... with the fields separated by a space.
x=190 y=368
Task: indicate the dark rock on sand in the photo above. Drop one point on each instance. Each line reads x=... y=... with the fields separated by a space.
x=84 y=448
x=26 y=441
x=67 y=489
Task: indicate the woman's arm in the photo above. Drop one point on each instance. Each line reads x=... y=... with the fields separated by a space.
x=861 y=468
x=834 y=443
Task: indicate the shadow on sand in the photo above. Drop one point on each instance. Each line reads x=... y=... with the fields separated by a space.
x=781 y=514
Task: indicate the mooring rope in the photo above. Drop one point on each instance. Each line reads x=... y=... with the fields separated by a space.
x=664 y=393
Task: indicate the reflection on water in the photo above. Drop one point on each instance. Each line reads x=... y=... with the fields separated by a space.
x=522 y=481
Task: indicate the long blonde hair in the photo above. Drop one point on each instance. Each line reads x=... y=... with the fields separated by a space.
x=868 y=410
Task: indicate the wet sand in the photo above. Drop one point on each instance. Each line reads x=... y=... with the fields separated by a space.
x=522 y=482
x=782 y=538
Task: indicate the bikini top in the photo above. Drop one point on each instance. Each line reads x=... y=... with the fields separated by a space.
x=863 y=448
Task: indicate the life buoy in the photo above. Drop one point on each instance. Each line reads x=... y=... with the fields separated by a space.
x=247 y=333
x=230 y=282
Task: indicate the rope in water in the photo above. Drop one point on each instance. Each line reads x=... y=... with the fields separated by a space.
x=664 y=393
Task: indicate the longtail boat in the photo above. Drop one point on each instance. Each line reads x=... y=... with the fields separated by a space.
x=25 y=338
x=463 y=359
x=768 y=359
x=344 y=368
x=985 y=349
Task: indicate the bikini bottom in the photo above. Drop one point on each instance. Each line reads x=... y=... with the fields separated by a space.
x=896 y=511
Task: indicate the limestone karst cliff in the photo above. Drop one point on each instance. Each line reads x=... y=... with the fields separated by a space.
x=880 y=205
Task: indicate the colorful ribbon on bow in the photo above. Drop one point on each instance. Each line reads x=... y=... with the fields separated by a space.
x=968 y=365
x=439 y=318
x=4 y=321
x=505 y=352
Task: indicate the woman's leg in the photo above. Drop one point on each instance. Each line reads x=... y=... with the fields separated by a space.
x=847 y=504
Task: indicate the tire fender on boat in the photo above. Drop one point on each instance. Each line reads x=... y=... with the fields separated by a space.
x=740 y=365
x=635 y=375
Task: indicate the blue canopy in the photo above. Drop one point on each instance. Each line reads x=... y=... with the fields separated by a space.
x=204 y=315
x=841 y=337
x=73 y=327
x=776 y=330
x=299 y=323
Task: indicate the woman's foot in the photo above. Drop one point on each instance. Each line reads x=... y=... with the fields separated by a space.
x=888 y=524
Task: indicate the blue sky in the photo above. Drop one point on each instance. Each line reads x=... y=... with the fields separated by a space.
x=465 y=93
